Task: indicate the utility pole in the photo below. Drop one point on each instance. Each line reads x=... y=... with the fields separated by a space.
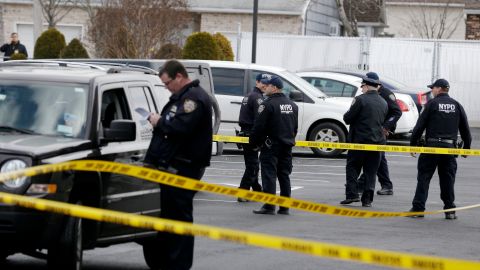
x=37 y=20
x=254 y=31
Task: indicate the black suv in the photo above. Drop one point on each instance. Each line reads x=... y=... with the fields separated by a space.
x=53 y=112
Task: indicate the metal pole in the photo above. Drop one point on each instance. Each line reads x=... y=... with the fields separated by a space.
x=239 y=42
x=254 y=31
x=37 y=20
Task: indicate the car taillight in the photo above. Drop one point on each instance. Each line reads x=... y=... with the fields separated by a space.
x=403 y=106
x=422 y=98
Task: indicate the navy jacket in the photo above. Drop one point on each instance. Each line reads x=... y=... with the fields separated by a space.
x=365 y=117
x=9 y=48
x=277 y=120
x=394 y=113
x=184 y=131
x=442 y=118
x=249 y=109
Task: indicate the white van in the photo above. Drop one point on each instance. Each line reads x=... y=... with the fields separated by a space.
x=320 y=117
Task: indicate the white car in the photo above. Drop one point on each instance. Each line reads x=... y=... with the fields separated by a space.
x=347 y=86
x=320 y=117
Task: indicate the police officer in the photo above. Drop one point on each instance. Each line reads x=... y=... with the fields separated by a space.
x=248 y=114
x=13 y=47
x=442 y=118
x=274 y=131
x=394 y=113
x=181 y=143
x=365 y=117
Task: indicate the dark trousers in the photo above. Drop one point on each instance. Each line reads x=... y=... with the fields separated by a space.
x=356 y=161
x=276 y=162
x=447 y=168
x=250 y=176
x=382 y=173
x=176 y=251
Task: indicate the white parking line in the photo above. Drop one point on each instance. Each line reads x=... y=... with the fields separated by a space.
x=294 y=165
x=237 y=177
x=235 y=185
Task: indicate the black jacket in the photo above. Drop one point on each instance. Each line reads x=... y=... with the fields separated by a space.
x=249 y=108
x=442 y=118
x=277 y=120
x=184 y=131
x=394 y=113
x=366 y=117
x=9 y=48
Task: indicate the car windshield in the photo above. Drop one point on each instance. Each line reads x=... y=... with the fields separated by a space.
x=54 y=109
x=303 y=84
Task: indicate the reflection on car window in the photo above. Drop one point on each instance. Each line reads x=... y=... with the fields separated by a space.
x=228 y=81
x=333 y=88
x=44 y=108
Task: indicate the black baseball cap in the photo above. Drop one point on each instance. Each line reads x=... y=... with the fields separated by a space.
x=440 y=83
x=276 y=81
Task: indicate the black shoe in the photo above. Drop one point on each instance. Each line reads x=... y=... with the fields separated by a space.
x=367 y=204
x=385 y=191
x=416 y=216
x=283 y=211
x=264 y=211
x=450 y=215
x=242 y=200
x=349 y=201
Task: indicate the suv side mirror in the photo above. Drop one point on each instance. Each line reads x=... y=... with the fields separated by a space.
x=120 y=131
x=296 y=96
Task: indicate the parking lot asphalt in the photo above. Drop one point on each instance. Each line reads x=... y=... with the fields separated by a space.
x=320 y=180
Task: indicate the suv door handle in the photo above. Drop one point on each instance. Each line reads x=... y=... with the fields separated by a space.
x=236 y=102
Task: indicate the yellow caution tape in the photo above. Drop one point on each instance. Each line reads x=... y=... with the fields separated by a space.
x=192 y=184
x=365 y=147
x=319 y=249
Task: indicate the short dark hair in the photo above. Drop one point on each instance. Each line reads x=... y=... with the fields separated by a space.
x=172 y=68
x=14 y=33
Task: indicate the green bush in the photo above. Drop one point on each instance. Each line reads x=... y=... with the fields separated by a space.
x=49 y=45
x=18 y=56
x=169 y=51
x=74 y=49
x=226 y=52
x=201 y=45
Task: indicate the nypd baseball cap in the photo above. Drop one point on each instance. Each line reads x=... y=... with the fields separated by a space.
x=440 y=83
x=276 y=81
x=262 y=77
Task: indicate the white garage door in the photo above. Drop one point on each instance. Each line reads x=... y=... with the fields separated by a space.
x=25 y=33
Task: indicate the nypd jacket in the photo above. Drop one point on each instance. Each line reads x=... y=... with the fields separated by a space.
x=365 y=117
x=442 y=118
x=249 y=108
x=184 y=131
x=277 y=120
x=394 y=113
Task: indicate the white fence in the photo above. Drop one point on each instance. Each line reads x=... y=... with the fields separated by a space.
x=414 y=62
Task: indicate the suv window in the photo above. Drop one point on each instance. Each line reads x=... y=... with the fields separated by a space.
x=142 y=98
x=114 y=106
x=229 y=81
x=333 y=88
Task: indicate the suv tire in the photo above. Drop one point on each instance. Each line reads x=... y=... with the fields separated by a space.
x=327 y=132
x=67 y=254
x=150 y=253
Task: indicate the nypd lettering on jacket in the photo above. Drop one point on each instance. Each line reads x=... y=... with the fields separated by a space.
x=286 y=108
x=446 y=108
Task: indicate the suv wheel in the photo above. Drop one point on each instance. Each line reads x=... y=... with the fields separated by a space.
x=150 y=253
x=327 y=132
x=67 y=254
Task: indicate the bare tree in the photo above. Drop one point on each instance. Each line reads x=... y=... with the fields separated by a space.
x=55 y=10
x=434 y=23
x=350 y=10
x=136 y=28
